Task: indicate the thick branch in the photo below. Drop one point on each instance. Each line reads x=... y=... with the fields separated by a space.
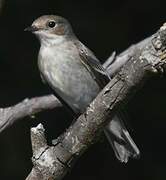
x=55 y=161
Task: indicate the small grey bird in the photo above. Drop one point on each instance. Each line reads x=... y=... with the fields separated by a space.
x=76 y=76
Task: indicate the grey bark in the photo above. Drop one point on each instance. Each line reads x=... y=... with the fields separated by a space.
x=28 y=107
x=53 y=162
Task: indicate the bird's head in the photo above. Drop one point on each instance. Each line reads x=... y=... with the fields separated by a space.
x=50 y=27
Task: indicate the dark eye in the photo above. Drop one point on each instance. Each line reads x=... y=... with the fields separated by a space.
x=51 y=24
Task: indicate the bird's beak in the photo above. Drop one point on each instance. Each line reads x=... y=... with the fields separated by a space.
x=31 y=29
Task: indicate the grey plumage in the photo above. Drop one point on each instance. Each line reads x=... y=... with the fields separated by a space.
x=77 y=76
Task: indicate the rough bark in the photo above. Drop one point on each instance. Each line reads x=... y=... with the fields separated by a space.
x=53 y=162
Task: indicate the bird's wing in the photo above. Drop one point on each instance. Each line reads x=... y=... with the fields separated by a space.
x=116 y=132
x=93 y=65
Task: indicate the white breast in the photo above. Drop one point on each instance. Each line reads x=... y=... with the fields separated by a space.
x=62 y=69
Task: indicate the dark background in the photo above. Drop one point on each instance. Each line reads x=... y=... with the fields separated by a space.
x=104 y=26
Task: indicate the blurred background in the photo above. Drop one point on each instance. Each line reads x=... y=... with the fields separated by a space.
x=104 y=26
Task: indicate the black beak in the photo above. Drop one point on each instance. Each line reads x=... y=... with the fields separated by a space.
x=31 y=29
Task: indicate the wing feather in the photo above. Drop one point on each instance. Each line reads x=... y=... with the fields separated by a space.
x=93 y=65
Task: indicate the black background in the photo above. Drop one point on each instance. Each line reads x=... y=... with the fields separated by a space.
x=104 y=26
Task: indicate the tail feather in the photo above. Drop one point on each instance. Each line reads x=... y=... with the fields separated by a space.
x=121 y=141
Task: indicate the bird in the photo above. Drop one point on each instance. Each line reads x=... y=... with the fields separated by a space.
x=76 y=76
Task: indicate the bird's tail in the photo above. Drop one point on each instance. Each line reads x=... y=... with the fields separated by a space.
x=121 y=141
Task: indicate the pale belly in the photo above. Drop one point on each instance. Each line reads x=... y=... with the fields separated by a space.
x=69 y=78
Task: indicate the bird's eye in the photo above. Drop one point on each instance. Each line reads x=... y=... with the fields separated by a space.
x=51 y=24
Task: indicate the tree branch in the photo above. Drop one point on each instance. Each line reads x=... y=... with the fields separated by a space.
x=114 y=63
x=28 y=107
x=53 y=162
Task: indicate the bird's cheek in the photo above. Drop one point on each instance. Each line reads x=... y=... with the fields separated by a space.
x=60 y=30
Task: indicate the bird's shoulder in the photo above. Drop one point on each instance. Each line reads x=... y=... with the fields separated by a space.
x=93 y=65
